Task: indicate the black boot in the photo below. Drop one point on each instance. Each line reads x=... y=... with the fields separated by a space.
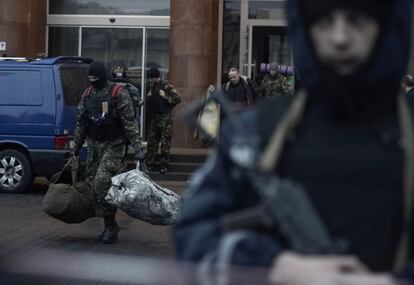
x=99 y=238
x=110 y=234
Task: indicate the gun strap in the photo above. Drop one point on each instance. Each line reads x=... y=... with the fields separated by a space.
x=270 y=156
x=406 y=124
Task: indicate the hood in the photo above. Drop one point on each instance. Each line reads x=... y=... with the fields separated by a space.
x=387 y=64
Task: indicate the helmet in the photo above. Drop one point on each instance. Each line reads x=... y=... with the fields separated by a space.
x=119 y=73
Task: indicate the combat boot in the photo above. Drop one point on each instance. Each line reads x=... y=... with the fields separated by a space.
x=110 y=234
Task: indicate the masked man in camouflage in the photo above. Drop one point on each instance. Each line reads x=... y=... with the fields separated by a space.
x=161 y=98
x=106 y=121
x=275 y=84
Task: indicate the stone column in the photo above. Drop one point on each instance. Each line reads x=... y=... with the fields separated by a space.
x=193 y=57
x=23 y=27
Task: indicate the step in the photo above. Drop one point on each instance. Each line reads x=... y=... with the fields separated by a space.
x=181 y=158
x=170 y=176
x=185 y=167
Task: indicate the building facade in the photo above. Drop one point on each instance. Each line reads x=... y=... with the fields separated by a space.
x=192 y=42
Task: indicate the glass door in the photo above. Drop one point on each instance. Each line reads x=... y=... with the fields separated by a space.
x=137 y=49
x=117 y=47
x=267 y=44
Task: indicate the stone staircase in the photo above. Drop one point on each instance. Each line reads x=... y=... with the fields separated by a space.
x=183 y=163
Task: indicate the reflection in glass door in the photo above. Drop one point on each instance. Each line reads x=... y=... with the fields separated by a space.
x=267 y=44
x=117 y=47
x=134 y=48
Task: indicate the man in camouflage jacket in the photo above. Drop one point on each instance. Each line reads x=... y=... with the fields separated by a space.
x=275 y=84
x=161 y=98
x=106 y=121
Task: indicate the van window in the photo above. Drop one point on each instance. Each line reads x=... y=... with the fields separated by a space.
x=74 y=82
x=21 y=88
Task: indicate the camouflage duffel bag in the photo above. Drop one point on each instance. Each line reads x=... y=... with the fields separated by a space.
x=69 y=203
x=137 y=195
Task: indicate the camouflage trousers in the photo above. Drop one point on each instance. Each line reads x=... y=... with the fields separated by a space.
x=160 y=131
x=105 y=159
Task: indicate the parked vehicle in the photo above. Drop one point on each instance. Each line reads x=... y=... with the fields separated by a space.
x=38 y=109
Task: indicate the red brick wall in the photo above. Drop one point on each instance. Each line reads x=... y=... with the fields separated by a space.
x=23 y=27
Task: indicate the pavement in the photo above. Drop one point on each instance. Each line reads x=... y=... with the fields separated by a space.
x=37 y=249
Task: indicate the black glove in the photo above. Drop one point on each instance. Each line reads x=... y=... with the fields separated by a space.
x=74 y=152
x=143 y=167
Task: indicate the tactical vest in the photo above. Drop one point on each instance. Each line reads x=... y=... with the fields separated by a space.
x=102 y=126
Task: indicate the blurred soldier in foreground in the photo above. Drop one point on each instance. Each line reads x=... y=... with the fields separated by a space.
x=162 y=97
x=348 y=141
x=106 y=121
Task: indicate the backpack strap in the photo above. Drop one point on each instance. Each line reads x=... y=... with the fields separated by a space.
x=87 y=92
x=116 y=90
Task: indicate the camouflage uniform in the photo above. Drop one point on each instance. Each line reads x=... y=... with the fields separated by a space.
x=161 y=125
x=276 y=85
x=106 y=157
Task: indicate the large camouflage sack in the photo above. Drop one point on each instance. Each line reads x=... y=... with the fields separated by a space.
x=68 y=203
x=137 y=195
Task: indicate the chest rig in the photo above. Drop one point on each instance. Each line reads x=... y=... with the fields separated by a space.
x=101 y=117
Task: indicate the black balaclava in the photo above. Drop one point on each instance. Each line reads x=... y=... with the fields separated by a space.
x=352 y=96
x=153 y=73
x=98 y=70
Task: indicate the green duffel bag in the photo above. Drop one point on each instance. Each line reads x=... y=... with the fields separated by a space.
x=71 y=204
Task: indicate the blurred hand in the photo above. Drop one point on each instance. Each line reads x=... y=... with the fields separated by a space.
x=293 y=269
x=74 y=153
x=211 y=89
x=162 y=93
x=149 y=94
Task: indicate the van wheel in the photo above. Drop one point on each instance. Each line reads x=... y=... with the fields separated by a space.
x=15 y=171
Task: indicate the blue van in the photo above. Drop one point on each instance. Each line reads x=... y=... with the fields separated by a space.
x=38 y=110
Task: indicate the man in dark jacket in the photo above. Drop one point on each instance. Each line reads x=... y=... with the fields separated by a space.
x=242 y=92
x=162 y=97
x=345 y=150
x=106 y=121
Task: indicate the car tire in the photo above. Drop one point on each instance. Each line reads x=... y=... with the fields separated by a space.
x=15 y=171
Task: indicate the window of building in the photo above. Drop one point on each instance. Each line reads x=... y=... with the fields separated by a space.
x=158 y=52
x=63 y=41
x=231 y=35
x=110 y=7
x=273 y=10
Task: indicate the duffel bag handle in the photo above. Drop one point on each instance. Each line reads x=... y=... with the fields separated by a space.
x=55 y=177
x=75 y=167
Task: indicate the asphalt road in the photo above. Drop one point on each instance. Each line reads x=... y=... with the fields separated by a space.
x=37 y=249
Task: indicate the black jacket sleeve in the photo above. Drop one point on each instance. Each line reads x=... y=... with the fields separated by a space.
x=219 y=188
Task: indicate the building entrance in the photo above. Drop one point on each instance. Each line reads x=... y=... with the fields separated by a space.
x=136 y=48
x=267 y=44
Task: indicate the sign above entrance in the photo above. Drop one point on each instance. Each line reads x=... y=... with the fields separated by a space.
x=2 y=46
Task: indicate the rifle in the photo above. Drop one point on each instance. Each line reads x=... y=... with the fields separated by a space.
x=283 y=204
